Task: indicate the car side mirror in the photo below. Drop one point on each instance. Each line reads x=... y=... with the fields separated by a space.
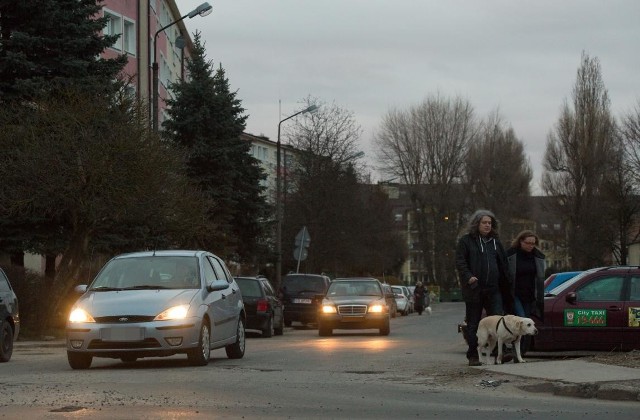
x=571 y=298
x=80 y=289
x=217 y=285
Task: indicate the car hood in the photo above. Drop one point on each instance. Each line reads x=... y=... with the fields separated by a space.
x=134 y=302
x=355 y=300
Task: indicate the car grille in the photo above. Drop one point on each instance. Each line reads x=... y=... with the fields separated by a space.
x=118 y=345
x=123 y=319
x=352 y=310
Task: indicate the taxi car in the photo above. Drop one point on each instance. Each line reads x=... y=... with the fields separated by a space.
x=9 y=318
x=354 y=303
x=598 y=309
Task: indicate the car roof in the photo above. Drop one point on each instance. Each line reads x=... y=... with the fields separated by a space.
x=164 y=253
x=583 y=274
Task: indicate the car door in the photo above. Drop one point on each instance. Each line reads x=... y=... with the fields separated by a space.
x=589 y=315
x=631 y=328
x=275 y=303
x=215 y=303
x=231 y=299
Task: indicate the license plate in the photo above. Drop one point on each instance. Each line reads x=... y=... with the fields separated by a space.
x=122 y=334
x=308 y=301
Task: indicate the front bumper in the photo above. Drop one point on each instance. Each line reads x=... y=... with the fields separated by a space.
x=139 y=339
x=346 y=322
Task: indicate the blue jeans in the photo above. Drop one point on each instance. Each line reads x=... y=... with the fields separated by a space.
x=523 y=309
x=491 y=303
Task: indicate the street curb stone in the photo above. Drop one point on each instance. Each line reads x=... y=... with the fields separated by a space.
x=618 y=392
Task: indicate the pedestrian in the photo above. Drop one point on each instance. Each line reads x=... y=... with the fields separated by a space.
x=419 y=294
x=481 y=263
x=526 y=270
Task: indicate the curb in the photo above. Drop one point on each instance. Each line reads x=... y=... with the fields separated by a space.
x=605 y=391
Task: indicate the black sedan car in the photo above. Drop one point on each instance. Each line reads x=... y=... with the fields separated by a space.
x=263 y=307
x=354 y=303
x=599 y=309
x=9 y=318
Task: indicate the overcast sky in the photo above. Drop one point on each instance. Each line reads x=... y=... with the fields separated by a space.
x=370 y=56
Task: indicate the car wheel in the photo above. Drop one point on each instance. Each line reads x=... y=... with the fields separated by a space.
x=385 y=329
x=324 y=331
x=280 y=329
x=6 y=341
x=236 y=350
x=199 y=356
x=268 y=330
x=128 y=359
x=79 y=360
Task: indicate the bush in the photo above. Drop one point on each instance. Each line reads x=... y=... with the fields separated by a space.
x=33 y=290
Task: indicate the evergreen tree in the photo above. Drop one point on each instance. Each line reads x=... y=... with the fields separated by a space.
x=207 y=119
x=49 y=45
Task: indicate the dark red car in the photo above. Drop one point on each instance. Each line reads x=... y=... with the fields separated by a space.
x=599 y=309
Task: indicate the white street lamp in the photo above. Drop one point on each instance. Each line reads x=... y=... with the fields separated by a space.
x=203 y=10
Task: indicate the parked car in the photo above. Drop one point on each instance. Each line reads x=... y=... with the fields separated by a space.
x=402 y=301
x=9 y=318
x=157 y=303
x=301 y=297
x=598 y=309
x=261 y=304
x=354 y=303
x=557 y=279
x=391 y=299
x=409 y=294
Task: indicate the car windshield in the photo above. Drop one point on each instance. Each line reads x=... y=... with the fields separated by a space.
x=300 y=283
x=561 y=287
x=398 y=291
x=154 y=272
x=354 y=288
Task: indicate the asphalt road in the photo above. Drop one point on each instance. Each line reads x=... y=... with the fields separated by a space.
x=418 y=371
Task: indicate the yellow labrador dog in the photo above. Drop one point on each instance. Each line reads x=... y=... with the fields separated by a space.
x=498 y=329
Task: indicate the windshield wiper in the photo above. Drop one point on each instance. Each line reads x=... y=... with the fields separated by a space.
x=106 y=289
x=145 y=287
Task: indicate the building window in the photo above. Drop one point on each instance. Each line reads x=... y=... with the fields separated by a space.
x=556 y=226
x=398 y=217
x=125 y=29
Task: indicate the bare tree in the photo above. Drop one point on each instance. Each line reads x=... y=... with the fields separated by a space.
x=499 y=173
x=427 y=145
x=350 y=230
x=580 y=151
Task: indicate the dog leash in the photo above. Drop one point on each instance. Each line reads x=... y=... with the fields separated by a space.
x=505 y=326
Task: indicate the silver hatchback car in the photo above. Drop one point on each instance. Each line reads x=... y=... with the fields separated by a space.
x=157 y=303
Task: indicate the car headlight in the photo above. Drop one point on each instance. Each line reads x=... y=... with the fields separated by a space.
x=175 y=312
x=329 y=309
x=377 y=308
x=80 y=315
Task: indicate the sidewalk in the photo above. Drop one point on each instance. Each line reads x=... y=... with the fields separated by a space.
x=576 y=378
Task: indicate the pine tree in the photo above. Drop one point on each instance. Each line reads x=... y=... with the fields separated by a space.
x=207 y=119
x=48 y=45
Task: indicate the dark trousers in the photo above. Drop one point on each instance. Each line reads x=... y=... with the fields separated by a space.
x=491 y=303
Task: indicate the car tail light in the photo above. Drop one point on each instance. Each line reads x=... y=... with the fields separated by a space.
x=262 y=305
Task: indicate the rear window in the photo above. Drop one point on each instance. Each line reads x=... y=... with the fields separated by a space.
x=297 y=284
x=249 y=288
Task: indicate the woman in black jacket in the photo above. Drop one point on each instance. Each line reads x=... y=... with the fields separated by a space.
x=526 y=271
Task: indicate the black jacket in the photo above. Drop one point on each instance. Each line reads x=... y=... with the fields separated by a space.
x=539 y=291
x=470 y=262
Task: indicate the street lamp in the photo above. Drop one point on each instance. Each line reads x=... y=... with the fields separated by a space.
x=311 y=108
x=203 y=10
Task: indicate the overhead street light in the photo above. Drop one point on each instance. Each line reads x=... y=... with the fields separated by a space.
x=311 y=108
x=203 y=10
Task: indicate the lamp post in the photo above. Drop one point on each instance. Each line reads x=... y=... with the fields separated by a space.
x=311 y=108
x=203 y=10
